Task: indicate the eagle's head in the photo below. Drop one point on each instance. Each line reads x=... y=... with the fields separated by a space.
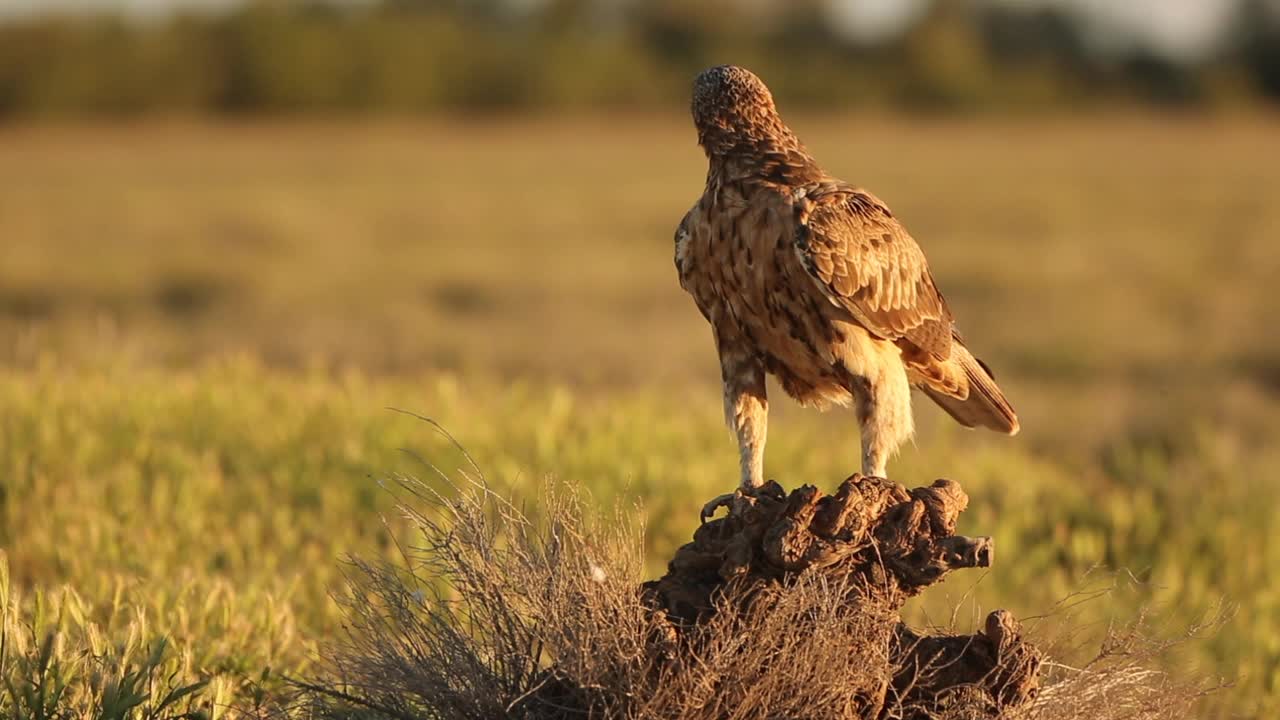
x=731 y=108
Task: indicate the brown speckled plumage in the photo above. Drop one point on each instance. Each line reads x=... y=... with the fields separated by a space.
x=814 y=281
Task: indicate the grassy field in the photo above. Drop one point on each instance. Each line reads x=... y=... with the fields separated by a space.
x=204 y=325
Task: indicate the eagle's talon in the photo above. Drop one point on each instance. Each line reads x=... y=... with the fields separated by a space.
x=716 y=503
x=739 y=500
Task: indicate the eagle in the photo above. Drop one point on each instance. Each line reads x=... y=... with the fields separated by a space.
x=814 y=281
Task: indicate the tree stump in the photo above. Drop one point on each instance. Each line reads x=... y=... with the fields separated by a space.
x=878 y=544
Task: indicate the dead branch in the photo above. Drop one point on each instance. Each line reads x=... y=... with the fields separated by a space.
x=880 y=544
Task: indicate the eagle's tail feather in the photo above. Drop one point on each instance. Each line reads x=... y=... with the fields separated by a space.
x=984 y=405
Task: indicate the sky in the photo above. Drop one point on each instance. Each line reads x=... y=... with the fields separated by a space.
x=1178 y=28
x=1174 y=27
x=135 y=7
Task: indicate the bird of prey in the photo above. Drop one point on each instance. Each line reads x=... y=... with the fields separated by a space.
x=814 y=281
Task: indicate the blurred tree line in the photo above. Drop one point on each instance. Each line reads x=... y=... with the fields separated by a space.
x=411 y=56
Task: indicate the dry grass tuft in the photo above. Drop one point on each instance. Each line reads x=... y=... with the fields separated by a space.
x=1119 y=679
x=493 y=614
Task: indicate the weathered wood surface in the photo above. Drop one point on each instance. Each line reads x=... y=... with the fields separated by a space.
x=880 y=544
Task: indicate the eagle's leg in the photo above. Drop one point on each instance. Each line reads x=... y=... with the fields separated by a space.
x=883 y=404
x=746 y=410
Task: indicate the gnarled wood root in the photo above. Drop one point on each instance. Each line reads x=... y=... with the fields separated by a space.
x=883 y=544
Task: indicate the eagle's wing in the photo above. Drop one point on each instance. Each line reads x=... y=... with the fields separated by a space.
x=865 y=262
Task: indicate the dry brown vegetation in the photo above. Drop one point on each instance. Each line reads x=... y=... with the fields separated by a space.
x=1106 y=258
x=490 y=614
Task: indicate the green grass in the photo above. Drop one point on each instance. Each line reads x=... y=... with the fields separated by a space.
x=212 y=507
x=206 y=325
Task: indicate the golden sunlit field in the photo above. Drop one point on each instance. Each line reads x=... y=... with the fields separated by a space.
x=204 y=327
